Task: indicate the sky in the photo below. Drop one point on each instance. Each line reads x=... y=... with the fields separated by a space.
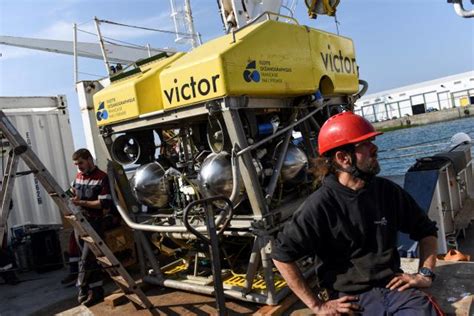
x=397 y=42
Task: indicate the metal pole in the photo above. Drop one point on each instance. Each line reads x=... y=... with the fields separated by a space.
x=7 y=191
x=102 y=46
x=195 y=40
x=216 y=263
x=276 y=171
x=253 y=265
x=149 y=253
x=246 y=166
x=140 y=255
x=148 y=49
x=266 y=245
x=306 y=131
x=74 y=47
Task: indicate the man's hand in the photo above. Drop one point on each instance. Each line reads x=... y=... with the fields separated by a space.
x=405 y=281
x=342 y=305
x=76 y=201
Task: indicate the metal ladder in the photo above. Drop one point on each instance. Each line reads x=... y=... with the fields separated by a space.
x=104 y=255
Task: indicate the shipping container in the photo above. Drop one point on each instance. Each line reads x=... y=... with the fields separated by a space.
x=44 y=123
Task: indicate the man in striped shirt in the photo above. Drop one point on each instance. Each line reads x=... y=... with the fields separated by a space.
x=91 y=193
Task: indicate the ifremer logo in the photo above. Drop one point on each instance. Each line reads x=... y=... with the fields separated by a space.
x=102 y=113
x=250 y=73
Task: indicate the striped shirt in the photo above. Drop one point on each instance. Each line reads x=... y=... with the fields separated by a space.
x=91 y=187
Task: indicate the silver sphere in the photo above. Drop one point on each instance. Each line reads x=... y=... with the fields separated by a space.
x=149 y=185
x=295 y=161
x=215 y=175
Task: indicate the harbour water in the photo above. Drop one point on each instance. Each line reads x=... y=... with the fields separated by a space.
x=398 y=150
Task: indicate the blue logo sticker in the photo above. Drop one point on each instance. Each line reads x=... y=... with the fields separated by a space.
x=102 y=113
x=250 y=73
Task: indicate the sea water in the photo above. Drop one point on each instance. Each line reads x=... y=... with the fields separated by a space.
x=398 y=150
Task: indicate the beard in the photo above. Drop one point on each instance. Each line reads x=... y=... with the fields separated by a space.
x=370 y=166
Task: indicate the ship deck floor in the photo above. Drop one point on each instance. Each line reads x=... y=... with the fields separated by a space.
x=42 y=294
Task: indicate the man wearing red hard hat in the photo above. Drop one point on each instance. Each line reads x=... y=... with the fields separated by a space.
x=350 y=225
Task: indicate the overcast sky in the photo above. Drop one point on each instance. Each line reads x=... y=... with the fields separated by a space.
x=398 y=42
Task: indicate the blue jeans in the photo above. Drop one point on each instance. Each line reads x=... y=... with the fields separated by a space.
x=382 y=301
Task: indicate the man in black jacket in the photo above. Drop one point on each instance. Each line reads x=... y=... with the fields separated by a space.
x=350 y=225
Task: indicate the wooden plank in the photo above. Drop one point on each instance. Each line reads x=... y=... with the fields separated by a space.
x=284 y=306
x=115 y=299
x=279 y=309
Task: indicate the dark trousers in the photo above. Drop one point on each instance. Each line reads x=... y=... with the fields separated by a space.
x=382 y=301
x=90 y=272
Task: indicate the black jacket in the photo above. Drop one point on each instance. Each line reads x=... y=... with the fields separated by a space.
x=353 y=234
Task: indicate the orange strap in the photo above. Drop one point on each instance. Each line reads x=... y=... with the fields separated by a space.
x=436 y=306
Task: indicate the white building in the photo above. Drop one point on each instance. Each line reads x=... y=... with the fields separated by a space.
x=427 y=96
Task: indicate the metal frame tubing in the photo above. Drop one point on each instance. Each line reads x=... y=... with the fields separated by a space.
x=147 y=227
x=265 y=250
x=209 y=290
x=281 y=159
x=149 y=254
x=254 y=262
x=246 y=166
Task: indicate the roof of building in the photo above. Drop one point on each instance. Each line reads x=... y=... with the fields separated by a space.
x=418 y=85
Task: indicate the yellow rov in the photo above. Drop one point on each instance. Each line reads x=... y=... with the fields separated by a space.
x=224 y=131
x=265 y=60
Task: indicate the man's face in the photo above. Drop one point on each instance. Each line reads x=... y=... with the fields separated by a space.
x=366 y=153
x=84 y=165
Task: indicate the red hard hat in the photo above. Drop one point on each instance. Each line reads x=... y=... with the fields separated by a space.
x=343 y=129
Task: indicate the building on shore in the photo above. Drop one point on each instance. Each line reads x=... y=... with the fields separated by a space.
x=428 y=96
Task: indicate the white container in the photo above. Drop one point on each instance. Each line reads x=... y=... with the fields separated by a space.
x=44 y=123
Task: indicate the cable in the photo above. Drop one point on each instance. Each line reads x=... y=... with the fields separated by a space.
x=337 y=23
x=94 y=75
x=131 y=45
x=146 y=28
x=113 y=39
x=90 y=20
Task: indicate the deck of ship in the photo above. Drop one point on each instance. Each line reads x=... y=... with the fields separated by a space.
x=42 y=294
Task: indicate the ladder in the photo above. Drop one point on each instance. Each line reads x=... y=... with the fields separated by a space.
x=105 y=257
